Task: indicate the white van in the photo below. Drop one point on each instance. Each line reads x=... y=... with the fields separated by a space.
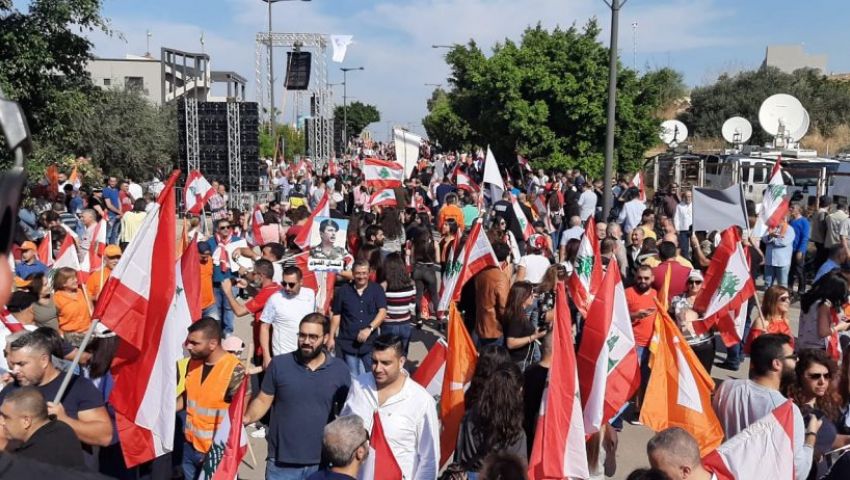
x=752 y=173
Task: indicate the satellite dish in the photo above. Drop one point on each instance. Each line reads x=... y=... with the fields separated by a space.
x=781 y=114
x=798 y=134
x=737 y=130
x=673 y=132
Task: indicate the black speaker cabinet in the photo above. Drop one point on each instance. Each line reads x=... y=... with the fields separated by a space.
x=298 y=70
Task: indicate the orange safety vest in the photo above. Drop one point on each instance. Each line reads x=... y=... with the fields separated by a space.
x=205 y=405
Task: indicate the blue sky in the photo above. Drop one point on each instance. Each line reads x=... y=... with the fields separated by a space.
x=701 y=38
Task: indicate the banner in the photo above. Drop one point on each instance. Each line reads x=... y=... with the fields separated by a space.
x=719 y=209
x=406 y=149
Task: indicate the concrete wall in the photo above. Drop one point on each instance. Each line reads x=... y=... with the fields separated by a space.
x=113 y=73
x=792 y=57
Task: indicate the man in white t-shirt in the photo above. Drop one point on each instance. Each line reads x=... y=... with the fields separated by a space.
x=283 y=313
x=587 y=202
x=532 y=267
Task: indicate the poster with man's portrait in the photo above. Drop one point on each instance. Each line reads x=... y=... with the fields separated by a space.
x=327 y=245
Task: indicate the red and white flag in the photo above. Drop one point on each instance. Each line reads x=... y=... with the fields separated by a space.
x=256 y=224
x=145 y=304
x=765 y=449
x=45 y=249
x=383 y=198
x=190 y=265
x=430 y=372
x=476 y=255
x=523 y=162
x=381 y=464
x=637 y=181
x=230 y=443
x=587 y=274
x=322 y=210
x=466 y=183
x=607 y=362
x=727 y=288
x=93 y=259
x=382 y=173
x=197 y=192
x=10 y=323
x=559 y=441
x=524 y=223
x=68 y=256
x=774 y=203
x=320 y=282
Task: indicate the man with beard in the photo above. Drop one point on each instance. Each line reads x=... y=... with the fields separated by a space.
x=407 y=411
x=307 y=388
x=212 y=378
x=739 y=403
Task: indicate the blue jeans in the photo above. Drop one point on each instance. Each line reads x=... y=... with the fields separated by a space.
x=643 y=360
x=212 y=312
x=358 y=364
x=402 y=331
x=288 y=471
x=225 y=312
x=483 y=342
x=735 y=353
x=192 y=460
x=776 y=275
x=113 y=228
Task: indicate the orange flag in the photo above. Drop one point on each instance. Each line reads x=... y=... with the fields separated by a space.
x=679 y=390
x=460 y=365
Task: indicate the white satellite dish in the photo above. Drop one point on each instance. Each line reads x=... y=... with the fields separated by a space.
x=673 y=132
x=737 y=130
x=781 y=114
x=798 y=134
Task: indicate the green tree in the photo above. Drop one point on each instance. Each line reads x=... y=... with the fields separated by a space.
x=359 y=115
x=827 y=101
x=292 y=139
x=545 y=98
x=444 y=125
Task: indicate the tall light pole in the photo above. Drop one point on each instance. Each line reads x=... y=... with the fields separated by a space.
x=345 y=71
x=634 y=46
x=271 y=67
x=608 y=197
x=435 y=85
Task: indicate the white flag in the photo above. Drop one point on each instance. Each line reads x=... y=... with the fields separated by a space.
x=340 y=44
x=493 y=177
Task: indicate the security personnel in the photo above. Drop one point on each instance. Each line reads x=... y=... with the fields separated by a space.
x=213 y=376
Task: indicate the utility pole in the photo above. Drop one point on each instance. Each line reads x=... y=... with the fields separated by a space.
x=634 y=46
x=608 y=196
x=148 y=43
x=345 y=104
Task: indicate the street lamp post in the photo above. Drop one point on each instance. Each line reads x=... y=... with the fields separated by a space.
x=607 y=195
x=345 y=71
x=271 y=67
x=435 y=85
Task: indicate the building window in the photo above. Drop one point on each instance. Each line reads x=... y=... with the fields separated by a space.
x=134 y=83
x=107 y=82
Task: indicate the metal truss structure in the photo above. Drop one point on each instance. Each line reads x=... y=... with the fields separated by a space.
x=193 y=149
x=234 y=149
x=319 y=94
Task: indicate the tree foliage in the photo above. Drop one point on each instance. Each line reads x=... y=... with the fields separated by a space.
x=827 y=101
x=359 y=116
x=292 y=139
x=545 y=98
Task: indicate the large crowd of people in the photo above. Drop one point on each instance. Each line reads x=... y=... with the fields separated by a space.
x=326 y=368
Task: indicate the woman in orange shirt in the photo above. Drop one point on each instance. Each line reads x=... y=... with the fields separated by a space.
x=774 y=319
x=71 y=304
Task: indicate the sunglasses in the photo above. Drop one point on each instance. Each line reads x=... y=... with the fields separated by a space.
x=793 y=356
x=818 y=376
x=694 y=282
x=290 y=284
x=224 y=227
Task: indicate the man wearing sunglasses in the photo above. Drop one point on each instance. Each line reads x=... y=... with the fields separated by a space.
x=281 y=314
x=222 y=270
x=739 y=403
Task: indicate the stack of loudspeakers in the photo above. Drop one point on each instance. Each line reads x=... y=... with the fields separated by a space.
x=212 y=142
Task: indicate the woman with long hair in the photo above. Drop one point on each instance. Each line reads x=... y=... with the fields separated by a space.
x=682 y=310
x=393 y=230
x=490 y=357
x=844 y=396
x=521 y=332
x=401 y=295
x=492 y=423
x=424 y=254
x=774 y=315
x=821 y=317
x=499 y=232
x=72 y=306
x=449 y=239
x=815 y=393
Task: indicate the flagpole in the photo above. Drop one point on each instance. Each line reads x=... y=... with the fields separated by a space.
x=68 y=374
x=749 y=239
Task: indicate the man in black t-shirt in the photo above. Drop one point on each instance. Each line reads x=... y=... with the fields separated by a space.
x=23 y=416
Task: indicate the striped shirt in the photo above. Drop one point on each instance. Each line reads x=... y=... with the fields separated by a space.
x=400 y=305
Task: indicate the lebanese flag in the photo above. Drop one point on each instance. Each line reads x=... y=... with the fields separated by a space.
x=774 y=203
x=559 y=442
x=476 y=255
x=320 y=282
x=524 y=224
x=190 y=266
x=637 y=181
x=607 y=362
x=430 y=372
x=382 y=173
x=523 y=162
x=10 y=322
x=728 y=285
x=679 y=390
x=257 y=222
x=45 y=249
x=381 y=463
x=94 y=255
x=230 y=443
x=466 y=183
x=322 y=210
x=587 y=274
x=68 y=256
x=461 y=358
x=383 y=198
x=197 y=192
x=144 y=303
x=74 y=179
x=765 y=449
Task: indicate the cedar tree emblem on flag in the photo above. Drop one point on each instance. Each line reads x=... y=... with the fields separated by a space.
x=384 y=173
x=729 y=284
